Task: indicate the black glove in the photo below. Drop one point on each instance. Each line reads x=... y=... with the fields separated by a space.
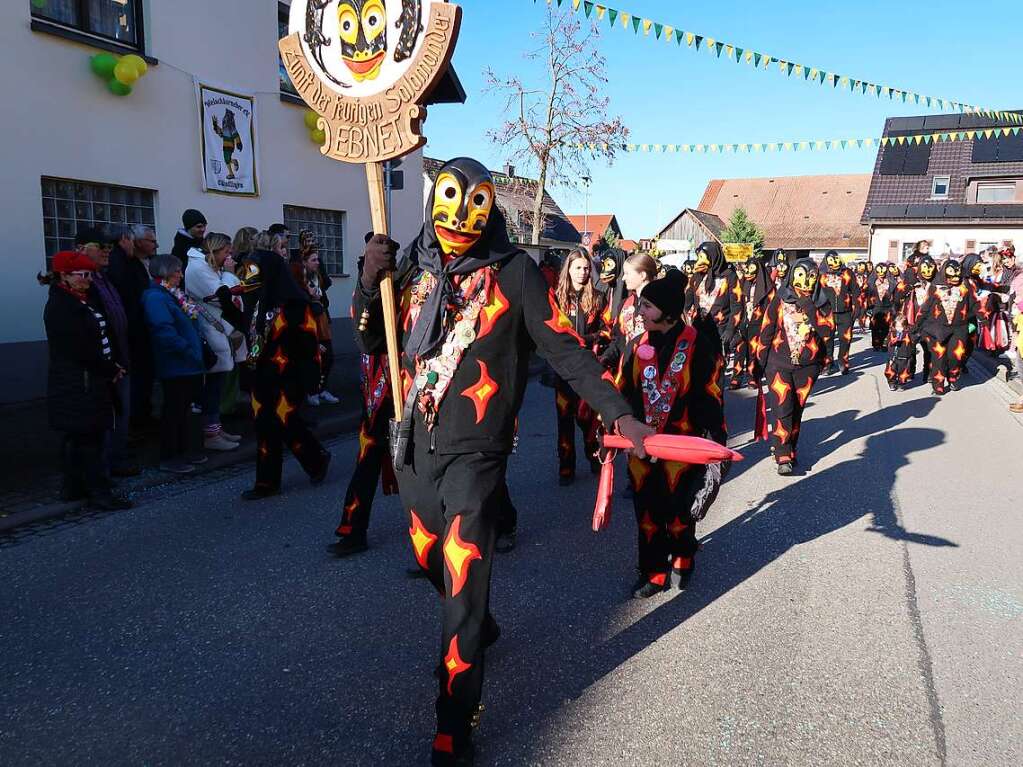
x=378 y=259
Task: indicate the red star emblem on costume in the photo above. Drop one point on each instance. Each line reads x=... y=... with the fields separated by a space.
x=453 y=663
x=639 y=470
x=959 y=351
x=803 y=392
x=482 y=392
x=647 y=526
x=490 y=313
x=278 y=326
x=284 y=409
x=422 y=539
x=677 y=527
x=780 y=388
x=674 y=470
x=280 y=360
x=559 y=321
x=459 y=554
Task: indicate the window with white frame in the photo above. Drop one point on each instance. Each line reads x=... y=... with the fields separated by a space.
x=70 y=205
x=283 y=17
x=327 y=226
x=939 y=187
x=119 y=21
x=996 y=191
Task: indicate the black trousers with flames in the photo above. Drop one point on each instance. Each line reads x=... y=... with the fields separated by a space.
x=663 y=495
x=842 y=339
x=788 y=389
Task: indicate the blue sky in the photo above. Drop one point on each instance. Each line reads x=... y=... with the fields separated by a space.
x=971 y=52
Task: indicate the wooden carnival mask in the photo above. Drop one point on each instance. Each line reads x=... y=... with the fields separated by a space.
x=463 y=199
x=953 y=273
x=927 y=269
x=362 y=26
x=804 y=278
x=834 y=261
x=749 y=270
x=702 y=264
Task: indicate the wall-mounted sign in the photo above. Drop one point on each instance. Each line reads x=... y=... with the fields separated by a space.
x=227 y=139
x=737 y=252
x=366 y=66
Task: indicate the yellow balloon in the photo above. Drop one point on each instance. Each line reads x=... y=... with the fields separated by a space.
x=125 y=72
x=311 y=119
x=139 y=63
x=318 y=137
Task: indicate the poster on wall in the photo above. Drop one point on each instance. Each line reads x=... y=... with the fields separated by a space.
x=227 y=140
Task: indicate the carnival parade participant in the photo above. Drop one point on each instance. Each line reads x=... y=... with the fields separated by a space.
x=373 y=461
x=882 y=295
x=794 y=336
x=860 y=308
x=757 y=292
x=584 y=307
x=638 y=271
x=944 y=320
x=713 y=297
x=670 y=380
x=780 y=265
x=912 y=290
x=839 y=285
x=285 y=350
x=473 y=309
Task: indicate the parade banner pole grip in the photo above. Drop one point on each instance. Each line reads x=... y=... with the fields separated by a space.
x=378 y=213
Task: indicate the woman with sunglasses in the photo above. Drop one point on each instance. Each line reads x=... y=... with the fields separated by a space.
x=80 y=385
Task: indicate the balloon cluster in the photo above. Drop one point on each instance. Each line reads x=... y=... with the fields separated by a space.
x=120 y=72
x=316 y=135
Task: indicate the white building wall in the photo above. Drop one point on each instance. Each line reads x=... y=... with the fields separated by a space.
x=943 y=238
x=59 y=120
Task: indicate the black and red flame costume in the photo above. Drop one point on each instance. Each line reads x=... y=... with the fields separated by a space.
x=860 y=306
x=839 y=285
x=572 y=410
x=911 y=290
x=944 y=322
x=881 y=292
x=373 y=464
x=757 y=292
x=672 y=381
x=287 y=371
x=472 y=310
x=797 y=328
x=781 y=263
x=714 y=296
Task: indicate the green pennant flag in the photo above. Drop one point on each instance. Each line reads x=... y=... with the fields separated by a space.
x=806 y=72
x=928 y=102
x=738 y=55
x=697 y=41
x=823 y=76
x=877 y=91
x=635 y=24
x=612 y=16
x=788 y=68
x=587 y=8
x=679 y=36
x=756 y=60
x=658 y=28
x=859 y=143
x=717 y=48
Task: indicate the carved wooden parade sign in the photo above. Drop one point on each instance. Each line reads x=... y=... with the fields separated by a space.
x=366 y=68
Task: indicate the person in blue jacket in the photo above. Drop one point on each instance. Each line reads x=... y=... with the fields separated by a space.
x=177 y=359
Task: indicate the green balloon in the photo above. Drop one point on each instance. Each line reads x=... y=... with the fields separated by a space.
x=118 y=88
x=38 y=3
x=103 y=65
x=310 y=120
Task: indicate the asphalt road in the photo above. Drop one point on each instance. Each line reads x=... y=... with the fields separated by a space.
x=868 y=612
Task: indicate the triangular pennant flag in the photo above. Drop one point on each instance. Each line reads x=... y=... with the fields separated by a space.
x=756 y=59
x=868 y=142
x=718 y=47
x=877 y=91
x=612 y=16
x=698 y=40
x=988 y=133
x=799 y=69
x=625 y=20
x=686 y=147
x=587 y=8
x=575 y=5
x=669 y=32
x=689 y=39
x=658 y=28
x=859 y=143
x=601 y=10
x=739 y=53
x=843 y=81
x=1005 y=131
x=646 y=26
x=822 y=77
x=636 y=21
x=781 y=65
x=843 y=143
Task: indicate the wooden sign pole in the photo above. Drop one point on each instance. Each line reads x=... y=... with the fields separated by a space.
x=378 y=212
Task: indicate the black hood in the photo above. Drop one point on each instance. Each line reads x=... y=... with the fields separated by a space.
x=718 y=264
x=825 y=267
x=788 y=294
x=761 y=286
x=493 y=247
x=278 y=287
x=968 y=263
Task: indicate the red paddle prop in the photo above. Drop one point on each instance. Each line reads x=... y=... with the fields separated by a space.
x=664 y=447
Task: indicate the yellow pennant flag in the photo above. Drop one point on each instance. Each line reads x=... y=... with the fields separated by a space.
x=749 y=56
x=689 y=39
x=575 y=4
x=646 y=26
x=729 y=52
x=601 y=10
x=625 y=19
x=669 y=32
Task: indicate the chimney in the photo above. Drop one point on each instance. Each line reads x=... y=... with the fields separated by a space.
x=509 y=169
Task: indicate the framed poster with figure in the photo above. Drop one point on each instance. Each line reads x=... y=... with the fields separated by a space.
x=227 y=140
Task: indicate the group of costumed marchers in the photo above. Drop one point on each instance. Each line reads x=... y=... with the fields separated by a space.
x=472 y=310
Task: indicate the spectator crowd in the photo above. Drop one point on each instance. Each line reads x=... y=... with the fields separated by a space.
x=124 y=322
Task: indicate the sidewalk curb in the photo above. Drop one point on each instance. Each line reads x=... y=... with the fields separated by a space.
x=325 y=429
x=991 y=366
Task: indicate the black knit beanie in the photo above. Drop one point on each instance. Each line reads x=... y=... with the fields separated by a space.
x=668 y=293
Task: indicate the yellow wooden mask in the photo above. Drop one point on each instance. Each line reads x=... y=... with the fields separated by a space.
x=463 y=199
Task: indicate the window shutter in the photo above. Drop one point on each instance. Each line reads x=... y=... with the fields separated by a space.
x=971 y=246
x=893 y=250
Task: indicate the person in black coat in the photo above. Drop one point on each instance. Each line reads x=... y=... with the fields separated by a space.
x=189 y=236
x=80 y=394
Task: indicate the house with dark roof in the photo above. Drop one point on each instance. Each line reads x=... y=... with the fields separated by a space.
x=805 y=215
x=515 y=196
x=962 y=195
x=596 y=226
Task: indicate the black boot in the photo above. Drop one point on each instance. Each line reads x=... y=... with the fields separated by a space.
x=349 y=545
x=258 y=494
x=644 y=588
x=684 y=576
x=506 y=540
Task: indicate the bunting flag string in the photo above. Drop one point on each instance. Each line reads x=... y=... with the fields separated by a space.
x=658 y=31
x=817 y=145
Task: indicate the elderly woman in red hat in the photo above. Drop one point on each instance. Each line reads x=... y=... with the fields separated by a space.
x=80 y=386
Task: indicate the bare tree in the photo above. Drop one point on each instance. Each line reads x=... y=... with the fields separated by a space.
x=564 y=123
